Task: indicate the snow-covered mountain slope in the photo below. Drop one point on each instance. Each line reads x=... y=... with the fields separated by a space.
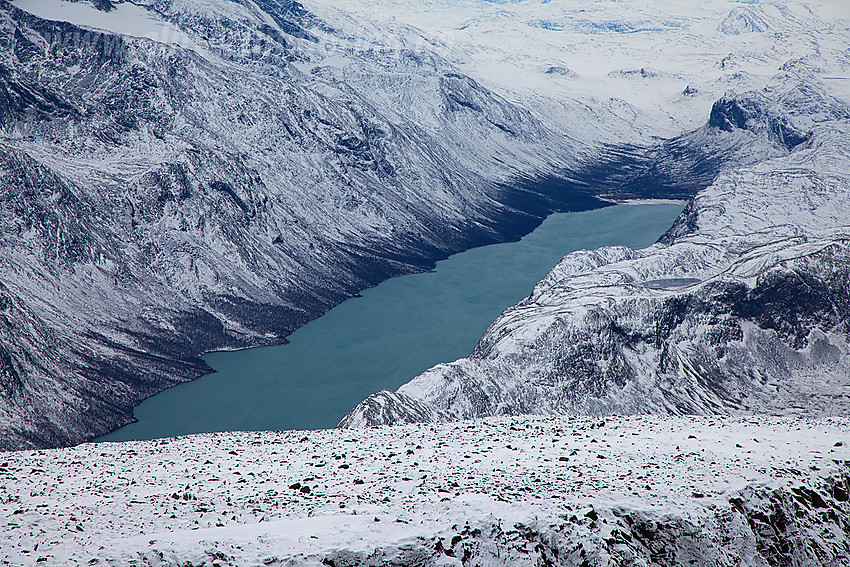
x=186 y=175
x=629 y=70
x=742 y=307
x=757 y=491
x=191 y=176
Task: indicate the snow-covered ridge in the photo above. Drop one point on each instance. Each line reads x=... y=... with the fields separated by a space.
x=510 y=491
x=126 y=19
x=741 y=308
x=656 y=67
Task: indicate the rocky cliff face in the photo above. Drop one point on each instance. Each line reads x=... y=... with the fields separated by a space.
x=742 y=307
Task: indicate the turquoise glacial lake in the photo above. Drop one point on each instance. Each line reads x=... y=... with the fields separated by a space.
x=382 y=339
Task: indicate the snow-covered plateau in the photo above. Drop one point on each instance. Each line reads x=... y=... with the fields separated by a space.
x=520 y=491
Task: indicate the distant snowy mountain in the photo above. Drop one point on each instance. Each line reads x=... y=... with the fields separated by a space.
x=180 y=176
x=742 y=307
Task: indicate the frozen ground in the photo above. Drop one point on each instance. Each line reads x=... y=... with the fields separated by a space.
x=500 y=491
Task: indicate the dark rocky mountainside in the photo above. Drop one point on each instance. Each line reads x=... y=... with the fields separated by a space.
x=163 y=200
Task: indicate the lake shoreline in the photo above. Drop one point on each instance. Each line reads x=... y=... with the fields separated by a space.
x=528 y=277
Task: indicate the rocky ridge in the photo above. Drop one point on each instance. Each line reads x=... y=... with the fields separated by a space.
x=518 y=491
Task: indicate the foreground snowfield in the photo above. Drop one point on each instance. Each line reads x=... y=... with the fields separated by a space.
x=500 y=491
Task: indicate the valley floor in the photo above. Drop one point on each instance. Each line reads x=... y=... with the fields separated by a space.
x=500 y=491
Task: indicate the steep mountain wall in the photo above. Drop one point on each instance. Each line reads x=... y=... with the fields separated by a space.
x=165 y=197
